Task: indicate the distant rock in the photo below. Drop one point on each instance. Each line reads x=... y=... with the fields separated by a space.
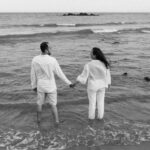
x=116 y=42
x=147 y=79
x=125 y=74
x=80 y=14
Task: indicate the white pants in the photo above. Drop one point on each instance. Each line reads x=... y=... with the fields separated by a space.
x=96 y=98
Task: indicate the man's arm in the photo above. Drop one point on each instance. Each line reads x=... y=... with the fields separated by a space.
x=60 y=74
x=33 y=78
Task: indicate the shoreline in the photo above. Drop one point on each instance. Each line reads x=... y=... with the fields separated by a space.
x=21 y=131
x=142 y=146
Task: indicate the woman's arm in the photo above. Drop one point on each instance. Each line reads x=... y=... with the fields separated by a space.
x=82 y=78
x=108 y=76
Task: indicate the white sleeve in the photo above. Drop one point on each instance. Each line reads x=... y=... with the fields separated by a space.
x=33 y=77
x=108 y=76
x=82 y=78
x=60 y=74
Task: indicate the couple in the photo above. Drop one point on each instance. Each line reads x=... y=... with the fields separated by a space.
x=96 y=74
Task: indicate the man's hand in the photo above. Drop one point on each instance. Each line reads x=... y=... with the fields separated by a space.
x=108 y=88
x=35 y=89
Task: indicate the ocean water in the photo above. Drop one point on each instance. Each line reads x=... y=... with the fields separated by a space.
x=123 y=37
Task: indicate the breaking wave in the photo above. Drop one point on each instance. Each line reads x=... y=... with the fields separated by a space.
x=77 y=31
x=69 y=24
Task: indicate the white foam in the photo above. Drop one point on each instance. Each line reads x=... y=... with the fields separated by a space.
x=104 y=30
x=146 y=31
x=66 y=24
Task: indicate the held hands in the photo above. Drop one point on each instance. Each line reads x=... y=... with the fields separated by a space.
x=72 y=85
x=35 y=89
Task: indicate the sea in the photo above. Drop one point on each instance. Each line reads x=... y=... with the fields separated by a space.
x=125 y=40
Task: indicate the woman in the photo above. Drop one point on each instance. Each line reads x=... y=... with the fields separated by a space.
x=96 y=74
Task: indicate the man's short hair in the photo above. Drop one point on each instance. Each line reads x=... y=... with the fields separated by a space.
x=44 y=46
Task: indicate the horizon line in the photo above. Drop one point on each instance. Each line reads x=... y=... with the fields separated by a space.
x=74 y=12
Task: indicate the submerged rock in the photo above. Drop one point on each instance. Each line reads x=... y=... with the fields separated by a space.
x=125 y=74
x=147 y=79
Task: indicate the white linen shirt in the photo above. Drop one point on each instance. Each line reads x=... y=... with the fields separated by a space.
x=96 y=75
x=43 y=68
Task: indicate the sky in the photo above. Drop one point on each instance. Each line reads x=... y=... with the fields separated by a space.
x=74 y=5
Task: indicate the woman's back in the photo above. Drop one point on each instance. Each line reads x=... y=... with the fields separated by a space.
x=97 y=70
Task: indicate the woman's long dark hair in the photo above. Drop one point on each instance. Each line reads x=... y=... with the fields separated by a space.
x=100 y=56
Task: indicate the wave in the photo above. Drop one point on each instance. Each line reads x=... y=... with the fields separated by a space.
x=76 y=31
x=17 y=35
x=66 y=24
x=49 y=25
x=146 y=31
x=136 y=30
x=105 y=30
x=69 y=24
x=107 y=24
x=129 y=30
x=80 y=137
x=39 y=25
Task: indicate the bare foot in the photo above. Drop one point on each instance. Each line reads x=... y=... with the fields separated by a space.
x=91 y=122
x=38 y=123
x=56 y=124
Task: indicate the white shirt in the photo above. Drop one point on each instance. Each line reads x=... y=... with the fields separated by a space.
x=96 y=75
x=43 y=69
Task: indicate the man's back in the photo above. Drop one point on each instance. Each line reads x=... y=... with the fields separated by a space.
x=44 y=68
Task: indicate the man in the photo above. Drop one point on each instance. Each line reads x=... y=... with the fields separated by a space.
x=43 y=68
